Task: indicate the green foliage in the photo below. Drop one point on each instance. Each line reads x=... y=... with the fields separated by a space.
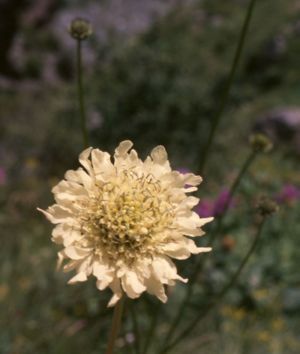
x=164 y=87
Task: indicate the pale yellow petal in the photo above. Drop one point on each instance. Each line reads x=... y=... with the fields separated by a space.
x=191 y=179
x=132 y=285
x=78 y=278
x=155 y=287
x=76 y=253
x=103 y=273
x=71 y=265
x=159 y=155
x=190 y=244
x=123 y=148
x=56 y=214
x=178 y=250
x=164 y=269
x=114 y=299
x=116 y=288
x=60 y=259
x=85 y=161
x=102 y=163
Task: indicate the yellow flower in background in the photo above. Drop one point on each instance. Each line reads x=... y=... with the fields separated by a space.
x=278 y=324
x=4 y=291
x=31 y=163
x=123 y=221
x=264 y=336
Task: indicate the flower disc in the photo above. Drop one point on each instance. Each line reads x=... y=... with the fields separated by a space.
x=123 y=221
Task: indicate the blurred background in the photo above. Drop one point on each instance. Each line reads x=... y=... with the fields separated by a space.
x=154 y=71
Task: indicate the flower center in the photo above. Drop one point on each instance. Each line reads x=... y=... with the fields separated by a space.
x=127 y=217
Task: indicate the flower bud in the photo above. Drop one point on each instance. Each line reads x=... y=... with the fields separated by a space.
x=261 y=143
x=266 y=206
x=228 y=243
x=80 y=29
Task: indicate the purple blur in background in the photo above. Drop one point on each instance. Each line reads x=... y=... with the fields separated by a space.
x=205 y=208
x=222 y=202
x=183 y=170
x=2 y=176
x=288 y=194
x=209 y=207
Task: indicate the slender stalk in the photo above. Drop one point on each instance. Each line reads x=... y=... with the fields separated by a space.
x=115 y=327
x=213 y=235
x=179 y=315
x=243 y=170
x=249 y=160
x=135 y=328
x=217 y=117
x=219 y=297
x=81 y=94
x=150 y=334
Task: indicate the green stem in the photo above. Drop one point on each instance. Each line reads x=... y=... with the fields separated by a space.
x=115 y=327
x=219 y=297
x=249 y=160
x=245 y=167
x=179 y=316
x=217 y=117
x=197 y=268
x=135 y=328
x=150 y=334
x=81 y=95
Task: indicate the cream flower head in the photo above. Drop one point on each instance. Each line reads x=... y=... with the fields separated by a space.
x=123 y=221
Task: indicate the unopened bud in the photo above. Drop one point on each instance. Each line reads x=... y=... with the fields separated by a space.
x=80 y=29
x=266 y=206
x=261 y=143
x=228 y=243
